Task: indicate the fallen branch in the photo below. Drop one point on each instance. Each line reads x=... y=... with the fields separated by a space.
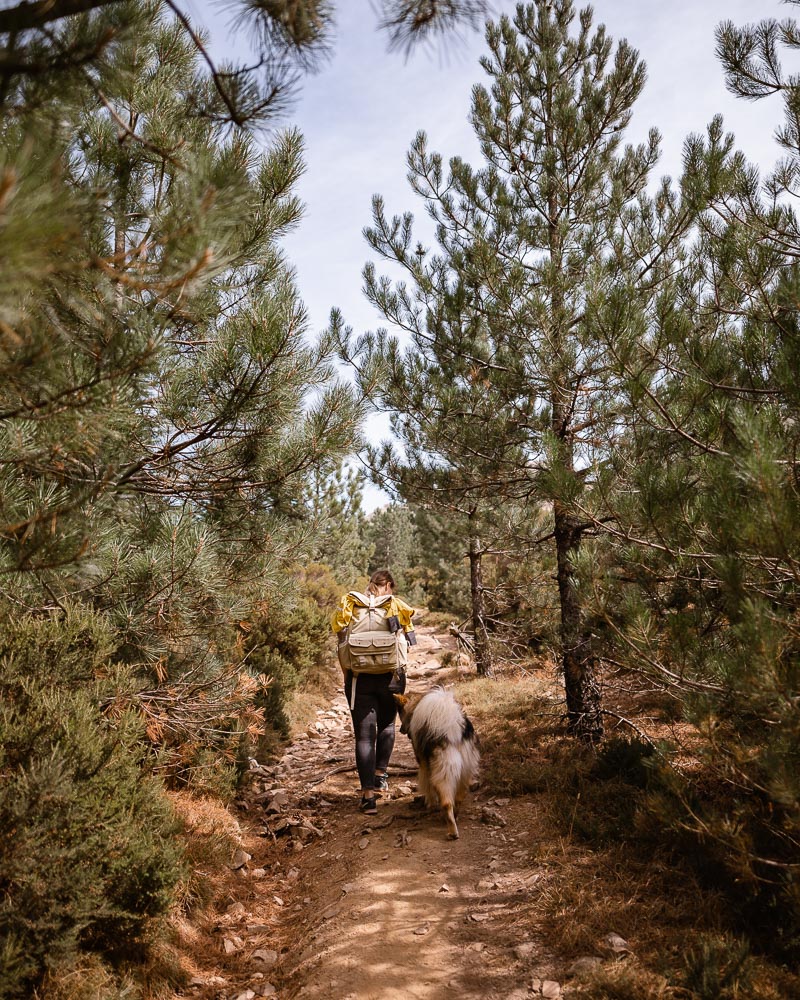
x=319 y=778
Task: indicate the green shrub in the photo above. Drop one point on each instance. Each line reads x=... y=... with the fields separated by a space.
x=718 y=968
x=626 y=759
x=87 y=854
x=290 y=645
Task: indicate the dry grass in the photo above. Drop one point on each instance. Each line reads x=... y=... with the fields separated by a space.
x=314 y=694
x=518 y=708
x=88 y=979
x=590 y=894
x=605 y=866
x=211 y=837
x=626 y=980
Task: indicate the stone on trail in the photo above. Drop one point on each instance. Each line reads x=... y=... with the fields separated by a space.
x=551 y=990
x=616 y=943
x=265 y=990
x=423 y=928
x=584 y=966
x=240 y=859
x=525 y=950
x=232 y=944
x=492 y=817
x=363 y=843
x=265 y=956
x=247 y=995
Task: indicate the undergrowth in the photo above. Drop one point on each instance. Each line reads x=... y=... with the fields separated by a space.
x=612 y=828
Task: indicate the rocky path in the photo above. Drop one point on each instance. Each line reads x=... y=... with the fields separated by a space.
x=329 y=903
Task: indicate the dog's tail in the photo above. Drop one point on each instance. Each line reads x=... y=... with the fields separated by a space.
x=453 y=769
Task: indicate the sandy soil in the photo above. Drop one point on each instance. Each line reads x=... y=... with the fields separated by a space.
x=334 y=904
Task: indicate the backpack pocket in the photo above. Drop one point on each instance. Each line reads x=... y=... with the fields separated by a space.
x=373 y=653
x=343 y=651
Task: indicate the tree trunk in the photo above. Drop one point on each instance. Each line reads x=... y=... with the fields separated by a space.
x=483 y=652
x=584 y=715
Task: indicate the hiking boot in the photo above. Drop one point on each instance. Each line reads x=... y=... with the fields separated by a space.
x=369 y=806
x=381 y=783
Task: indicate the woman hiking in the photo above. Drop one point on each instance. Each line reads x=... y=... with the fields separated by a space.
x=374 y=630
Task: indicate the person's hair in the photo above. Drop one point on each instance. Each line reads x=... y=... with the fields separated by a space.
x=379 y=579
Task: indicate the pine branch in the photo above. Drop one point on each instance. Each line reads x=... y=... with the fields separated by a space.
x=27 y=16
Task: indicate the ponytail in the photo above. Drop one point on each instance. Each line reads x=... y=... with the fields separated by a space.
x=379 y=579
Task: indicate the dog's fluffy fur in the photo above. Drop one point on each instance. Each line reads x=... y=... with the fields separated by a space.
x=445 y=746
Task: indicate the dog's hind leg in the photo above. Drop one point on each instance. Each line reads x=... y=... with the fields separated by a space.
x=452 y=828
x=424 y=784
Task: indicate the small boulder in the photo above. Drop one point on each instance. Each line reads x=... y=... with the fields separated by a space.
x=616 y=943
x=266 y=957
x=584 y=966
x=492 y=817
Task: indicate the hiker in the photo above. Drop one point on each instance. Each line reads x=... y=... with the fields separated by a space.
x=374 y=631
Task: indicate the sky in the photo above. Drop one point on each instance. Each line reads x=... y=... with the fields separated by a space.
x=361 y=111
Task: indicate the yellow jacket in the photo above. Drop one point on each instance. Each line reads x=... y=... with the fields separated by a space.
x=353 y=600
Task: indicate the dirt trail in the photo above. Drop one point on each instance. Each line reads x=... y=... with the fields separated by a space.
x=338 y=905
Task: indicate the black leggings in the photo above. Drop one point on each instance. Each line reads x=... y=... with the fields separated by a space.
x=373 y=715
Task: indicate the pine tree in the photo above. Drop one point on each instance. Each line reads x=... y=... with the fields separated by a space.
x=49 y=45
x=335 y=501
x=157 y=418
x=501 y=393
x=705 y=492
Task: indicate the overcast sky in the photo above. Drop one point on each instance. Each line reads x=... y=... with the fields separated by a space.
x=360 y=113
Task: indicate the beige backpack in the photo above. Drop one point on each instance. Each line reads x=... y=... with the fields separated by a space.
x=367 y=645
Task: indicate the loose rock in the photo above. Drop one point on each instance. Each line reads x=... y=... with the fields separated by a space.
x=240 y=859
x=265 y=956
x=492 y=817
x=616 y=943
x=584 y=966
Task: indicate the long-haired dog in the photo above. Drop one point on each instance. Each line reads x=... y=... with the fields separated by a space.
x=445 y=746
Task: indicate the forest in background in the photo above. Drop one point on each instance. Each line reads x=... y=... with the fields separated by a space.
x=593 y=385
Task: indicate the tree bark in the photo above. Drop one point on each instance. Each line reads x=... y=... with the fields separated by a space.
x=584 y=714
x=35 y=15
x=483 y=652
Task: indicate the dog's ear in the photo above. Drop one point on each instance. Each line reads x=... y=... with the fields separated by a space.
x=401 y=700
